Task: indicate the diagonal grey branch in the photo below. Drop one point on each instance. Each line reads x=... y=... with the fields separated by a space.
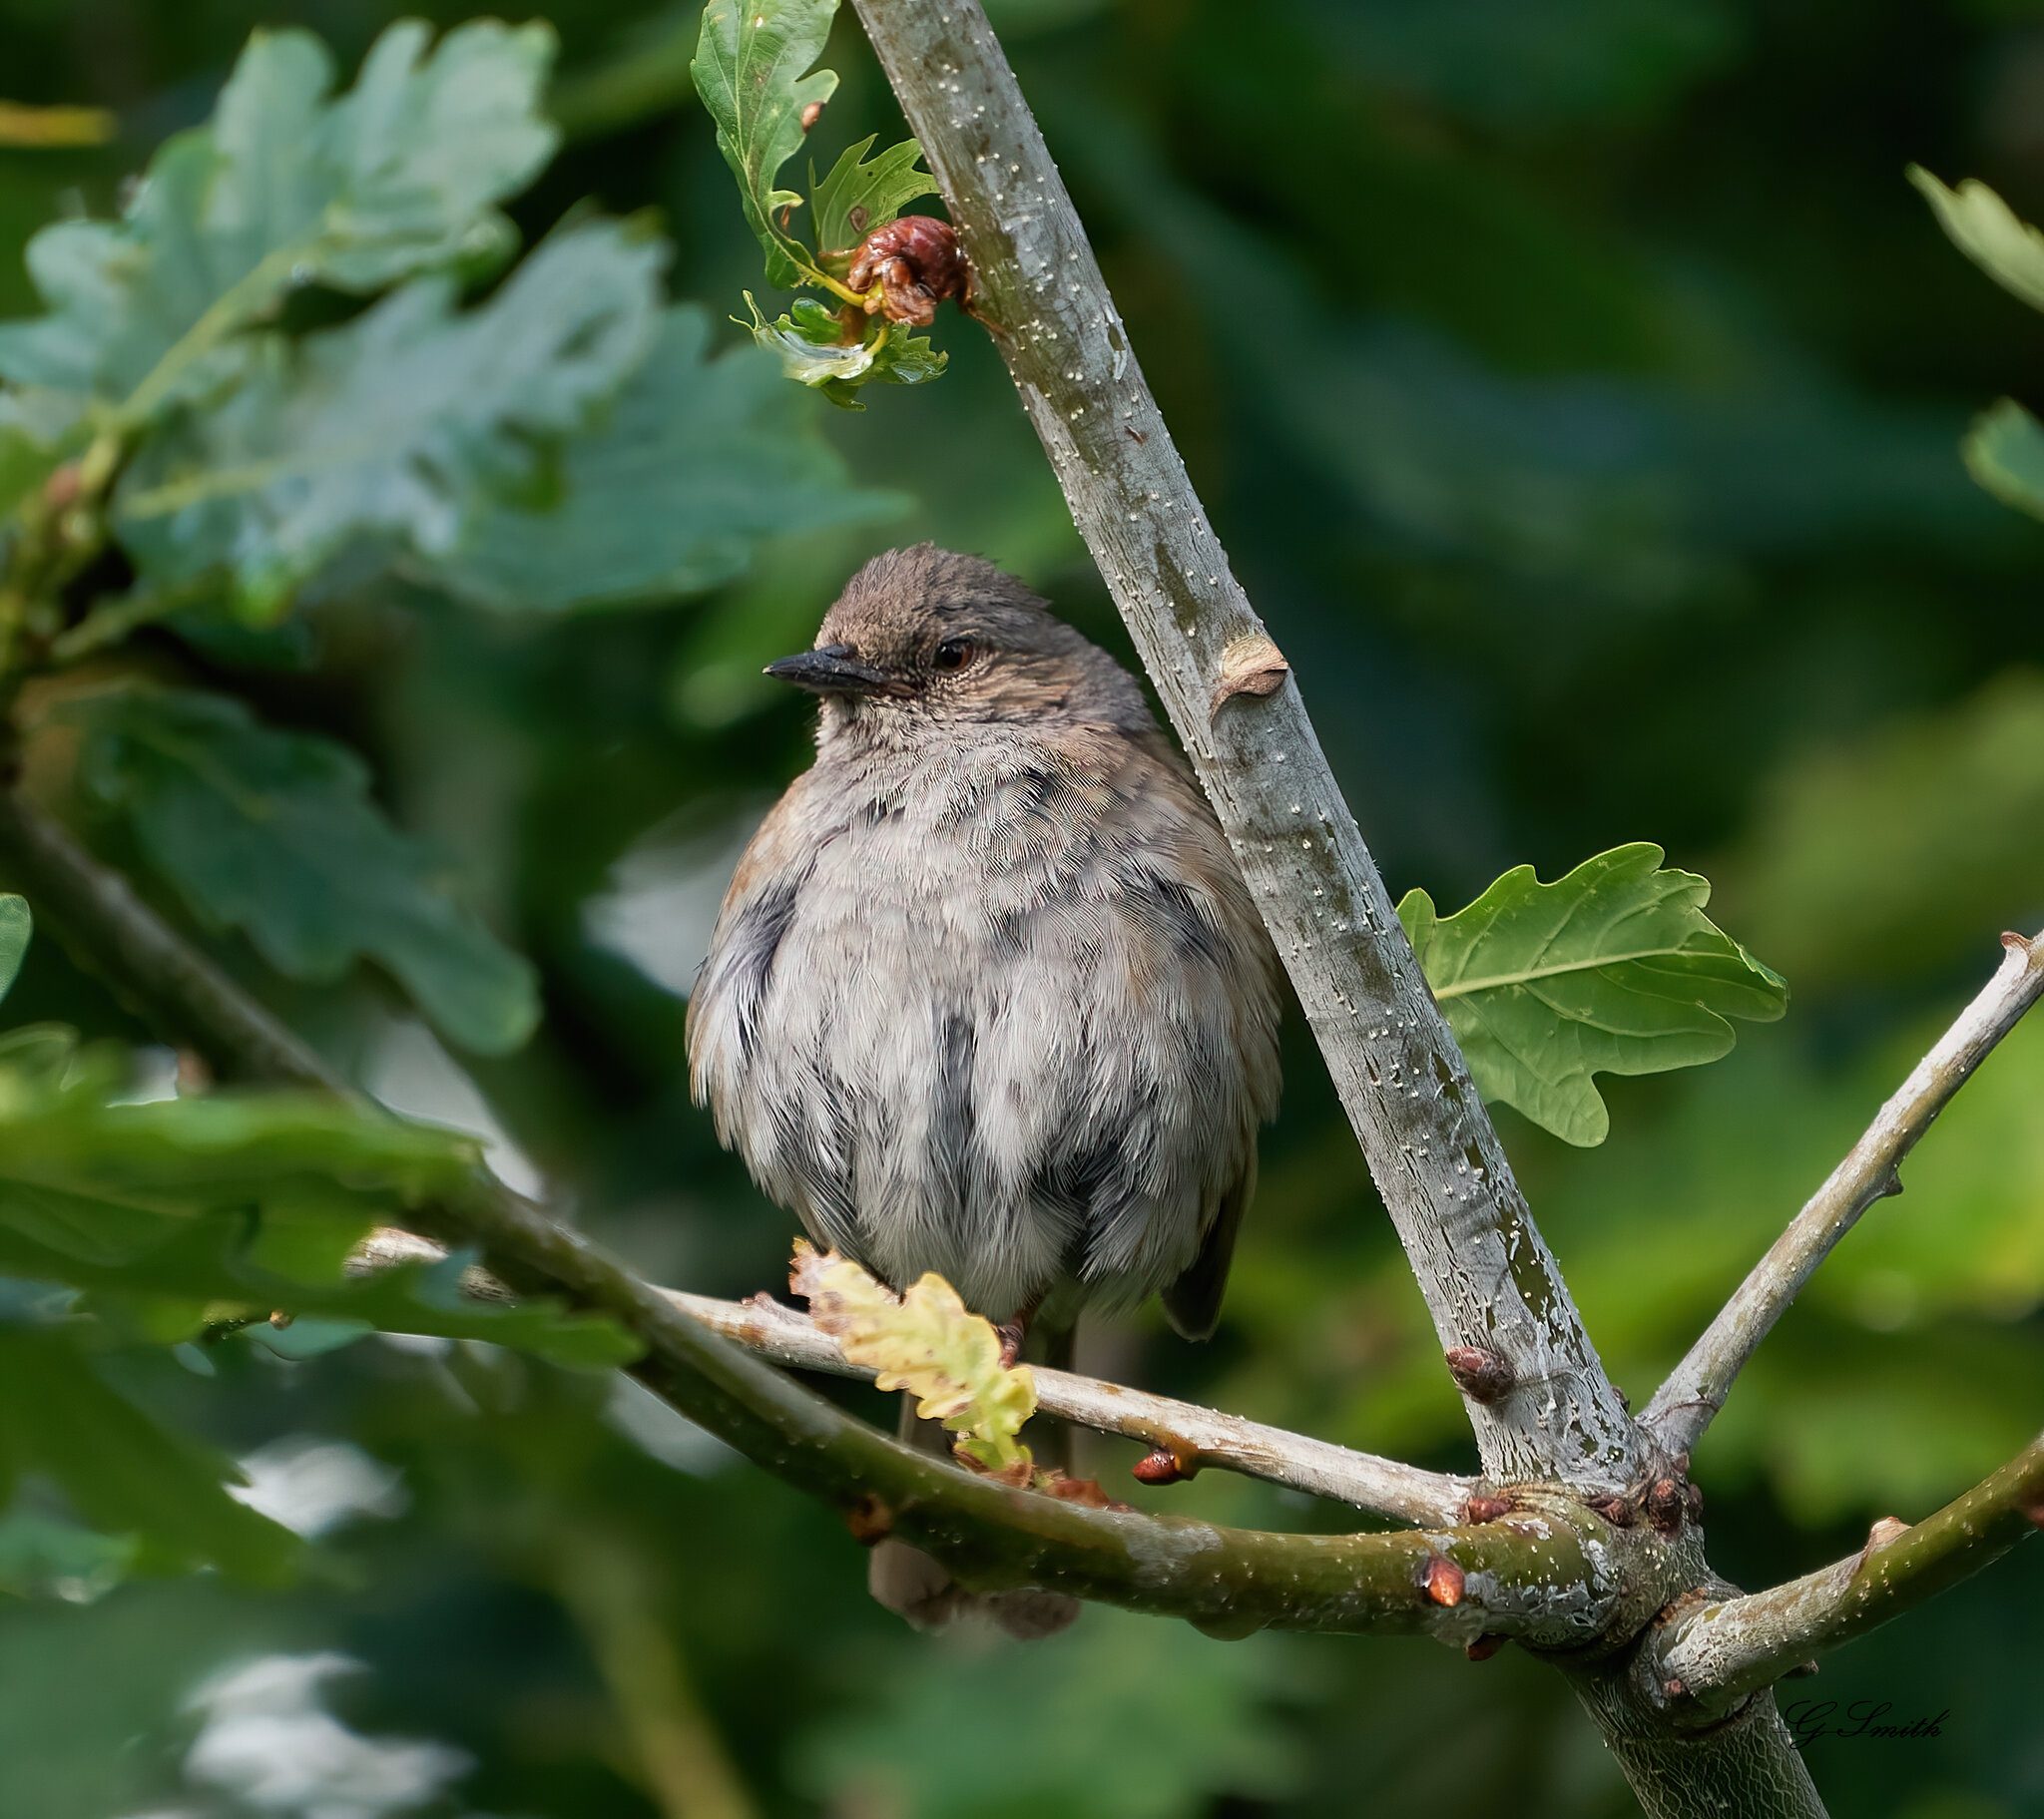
x=1683 y=1406
x=1710 y=1659
x=1487 y=1275
x=1196 y=1437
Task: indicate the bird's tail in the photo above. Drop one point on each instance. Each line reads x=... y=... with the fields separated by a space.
x=915 y=1587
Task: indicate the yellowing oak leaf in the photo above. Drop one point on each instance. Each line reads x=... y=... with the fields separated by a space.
x=930 y=1343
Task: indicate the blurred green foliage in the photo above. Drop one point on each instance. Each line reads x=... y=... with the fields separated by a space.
x=1587 y=428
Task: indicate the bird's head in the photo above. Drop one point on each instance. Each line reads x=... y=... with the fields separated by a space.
x=922 y=639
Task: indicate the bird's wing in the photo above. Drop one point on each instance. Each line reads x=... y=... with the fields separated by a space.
x=1193 y=1301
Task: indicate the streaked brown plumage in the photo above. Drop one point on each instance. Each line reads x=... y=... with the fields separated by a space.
x=987 y=995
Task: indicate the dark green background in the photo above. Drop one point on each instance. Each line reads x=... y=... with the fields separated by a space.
x=1576 y=385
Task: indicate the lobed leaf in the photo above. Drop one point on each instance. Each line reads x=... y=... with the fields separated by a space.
x=276 y=835
x=2004 y=451
x=1612 y=969
x=396 y=426
x=668 y=495
x=289 y=186
x=924 y=1341
x=1989 y=232
x=175 y=1212
x=750 y=73
x=859 y=194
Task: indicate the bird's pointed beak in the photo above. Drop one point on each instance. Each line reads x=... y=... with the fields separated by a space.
x=832 y=669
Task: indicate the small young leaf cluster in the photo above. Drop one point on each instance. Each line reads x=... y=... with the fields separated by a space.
x=754 y=72
x=927 y=1342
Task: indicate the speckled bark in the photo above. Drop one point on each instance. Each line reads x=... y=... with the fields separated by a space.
x=1721 y=1650
x=1488 y=1277
x=1747 y=1767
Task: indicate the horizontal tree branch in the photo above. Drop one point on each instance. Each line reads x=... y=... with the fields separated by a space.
x=1544 y=1573
x=1196 y=1437
x=1715 y=1656
x=1683 y=1406
x=1487 y=1275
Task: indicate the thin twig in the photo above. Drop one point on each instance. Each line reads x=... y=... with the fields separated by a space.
x=1487 y=1275
x=1722 y=1652
x=1683 y=1406
x=1196 y=1437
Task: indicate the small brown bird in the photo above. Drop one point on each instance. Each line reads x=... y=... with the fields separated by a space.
x=987 y=995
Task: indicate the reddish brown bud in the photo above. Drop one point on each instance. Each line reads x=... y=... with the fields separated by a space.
x=1664 y=1504
x=1443 y=1581
x=2033 y=1510
x=1889 y=1528
x=1484 y=1507
x=1164 y=1466
x=916 y=262
x=280 y=1319
x=1484 y=1647
x=812 y=114
x=1613 y=1508
x=1675 y=1689
x=1696 y=1503
x=1484 y=1376
x=869 y=1521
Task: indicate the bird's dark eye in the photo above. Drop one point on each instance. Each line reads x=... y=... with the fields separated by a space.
x=952 y=654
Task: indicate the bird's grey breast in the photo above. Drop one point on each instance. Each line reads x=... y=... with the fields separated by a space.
x=983 y=1014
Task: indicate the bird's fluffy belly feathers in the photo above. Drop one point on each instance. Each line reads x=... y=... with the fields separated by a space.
x=972 y=1012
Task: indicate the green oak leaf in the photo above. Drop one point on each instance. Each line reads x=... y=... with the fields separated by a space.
x=15 y=924
x=287 y=185
x=393 y=428
x=276 y=835
x=1612 y=969
x=808 y=343
x=2004 y=451
x=125 y=1475
x=750 y=73
x=177 y=1212
x=857 y=196
x=1989 y=232
x=695 y=463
